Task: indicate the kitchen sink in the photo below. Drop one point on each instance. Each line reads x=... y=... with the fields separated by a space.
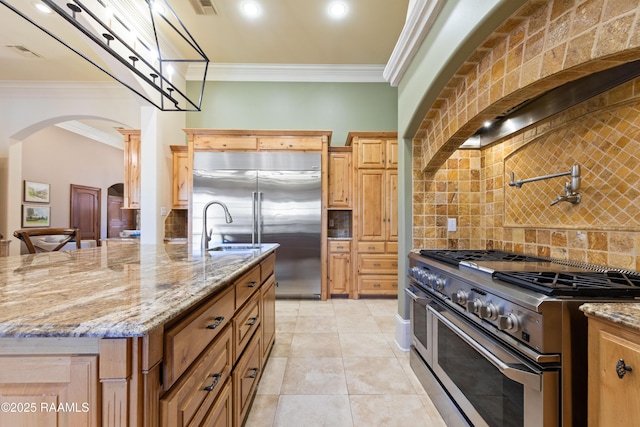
x=234 y=247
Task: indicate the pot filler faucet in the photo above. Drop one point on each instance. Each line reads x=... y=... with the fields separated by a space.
x=571 y=188
x=206 y=237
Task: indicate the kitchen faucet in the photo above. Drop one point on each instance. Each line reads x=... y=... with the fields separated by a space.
x=206 y=237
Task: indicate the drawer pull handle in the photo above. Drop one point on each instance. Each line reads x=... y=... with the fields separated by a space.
x=340 y=247
x=371 y=248
x=253 y=374
x=252 y=321
x=216 y=379
x=218 y=321
x=622 y=368
x=377 y=264
x=252 y=284
x=376 y=285
x=395 y=264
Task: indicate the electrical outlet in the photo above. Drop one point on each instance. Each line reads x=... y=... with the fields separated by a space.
x=451 y=224
x=163 y=211
x=331 y=223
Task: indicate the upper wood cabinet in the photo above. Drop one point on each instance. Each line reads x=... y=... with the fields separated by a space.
x=257 y=140
x=131 y=169
x=340 y=181
x=377 y=153
x=181 y=176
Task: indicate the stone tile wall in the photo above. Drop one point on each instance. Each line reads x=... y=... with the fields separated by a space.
x=565 y=40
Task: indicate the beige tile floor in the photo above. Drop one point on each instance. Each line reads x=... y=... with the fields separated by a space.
x=335 y=363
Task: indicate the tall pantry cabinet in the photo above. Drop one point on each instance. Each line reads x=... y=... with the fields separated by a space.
x=375 y=213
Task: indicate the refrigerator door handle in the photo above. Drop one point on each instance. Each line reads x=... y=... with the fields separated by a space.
x=259 y=218
x=254 y=198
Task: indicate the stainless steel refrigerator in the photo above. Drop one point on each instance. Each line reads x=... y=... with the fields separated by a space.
x=272 y=198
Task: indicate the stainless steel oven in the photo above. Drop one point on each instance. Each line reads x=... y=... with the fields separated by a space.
x=498 y=338
x=492 y=385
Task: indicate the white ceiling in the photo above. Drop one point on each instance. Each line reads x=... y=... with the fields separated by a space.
x=287 y=34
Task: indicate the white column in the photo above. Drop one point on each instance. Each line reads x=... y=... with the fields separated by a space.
x=14 y=194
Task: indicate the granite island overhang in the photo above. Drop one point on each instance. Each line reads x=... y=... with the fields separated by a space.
x=103 y=318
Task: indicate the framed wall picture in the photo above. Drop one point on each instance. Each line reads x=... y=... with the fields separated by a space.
x=36 y=216
x=36 y=192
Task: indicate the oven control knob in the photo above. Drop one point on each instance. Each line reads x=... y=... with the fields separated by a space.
x=488 y=311
x=508 y=323
x=440 y=283
x=459 y=297
x=475 y=306
x=414 y=271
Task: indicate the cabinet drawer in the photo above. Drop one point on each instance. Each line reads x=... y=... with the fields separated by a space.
x=245 y=323
x=185 y=341
x=245 y=379
x=377 y=264
x=392 y=247
x=339 y=246
x=290 y=144
x=267 y=267
x=371 y=247
x=190 y=400
x=247 y=285
x=225 y=143
x=378 y=285
x=221 y=414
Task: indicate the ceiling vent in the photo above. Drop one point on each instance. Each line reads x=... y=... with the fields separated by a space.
x=204 y=7
x=23 y=51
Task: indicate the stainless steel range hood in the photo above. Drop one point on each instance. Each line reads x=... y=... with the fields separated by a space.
x=552 y=102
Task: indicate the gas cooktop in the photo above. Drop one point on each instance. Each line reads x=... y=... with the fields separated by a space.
x=611 y=284
x=454 y=256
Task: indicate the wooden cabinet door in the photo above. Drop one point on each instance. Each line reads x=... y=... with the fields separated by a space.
x=268 y=315
x=132 y=171
x=391 y=192
x=339 y=273
x=391 y=154
x=371 y=154
x=181 y=177
x=371 y=205
x=613 y=401
x=36 y=385
x=340 y=174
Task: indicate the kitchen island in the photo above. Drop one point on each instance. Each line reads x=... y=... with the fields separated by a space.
x=134 y=335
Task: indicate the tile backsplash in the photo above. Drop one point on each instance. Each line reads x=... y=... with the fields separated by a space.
x=339 y=223
x=176 y=224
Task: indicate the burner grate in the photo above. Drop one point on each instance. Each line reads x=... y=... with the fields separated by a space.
x=454 y=256
x=586 y=284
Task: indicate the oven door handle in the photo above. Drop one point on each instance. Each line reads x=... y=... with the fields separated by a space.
x=529 y=379
x=419 y=299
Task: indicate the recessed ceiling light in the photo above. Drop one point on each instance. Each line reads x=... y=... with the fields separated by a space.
x=43 y=7
x=250 y=9
x=337 y=9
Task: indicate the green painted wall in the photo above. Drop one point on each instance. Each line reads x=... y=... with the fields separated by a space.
x=338 y=107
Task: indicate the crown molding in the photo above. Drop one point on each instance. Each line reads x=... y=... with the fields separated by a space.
x=92 y=133
x=419 y=21
x=288 y=73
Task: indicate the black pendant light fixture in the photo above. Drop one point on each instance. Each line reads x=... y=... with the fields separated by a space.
x=140 y=43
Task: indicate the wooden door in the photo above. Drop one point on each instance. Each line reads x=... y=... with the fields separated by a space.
x=118 y=219
x=371 y=205
x=85 y=211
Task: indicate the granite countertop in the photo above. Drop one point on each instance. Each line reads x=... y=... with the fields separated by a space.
x=111 y=292
x=623 y=313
